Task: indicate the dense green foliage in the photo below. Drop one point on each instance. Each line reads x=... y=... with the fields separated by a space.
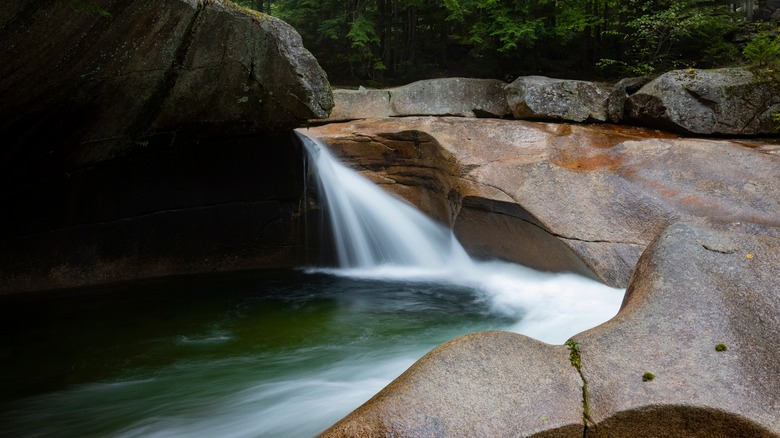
x=763 y=51
x=387 y=40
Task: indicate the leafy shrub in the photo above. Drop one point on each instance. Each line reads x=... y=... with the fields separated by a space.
x=763 y=51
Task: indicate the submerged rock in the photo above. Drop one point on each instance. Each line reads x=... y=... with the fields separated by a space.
x=583 y=198
x=694 y=289
x=729 y=101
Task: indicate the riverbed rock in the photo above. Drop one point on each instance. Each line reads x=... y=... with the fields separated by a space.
x=559 y=197
x=146 y=138
x=702 y=314
x=462 y=97
x=729 y=101
x=490 y=384
x=543 y=98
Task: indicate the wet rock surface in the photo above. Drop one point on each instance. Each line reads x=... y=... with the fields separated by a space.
x=489 y=384
x=691 y=353
x=558 y=197
x=702 y=314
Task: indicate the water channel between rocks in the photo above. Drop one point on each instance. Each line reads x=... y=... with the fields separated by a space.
x=269 y=353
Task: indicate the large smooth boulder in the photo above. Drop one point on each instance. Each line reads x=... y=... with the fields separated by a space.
x=543 y=98
x=729 y=101
x=81 y=87
x=462 y=97
x=490 y=384
x=695 y=288
x=582 y=198
x=149 y=138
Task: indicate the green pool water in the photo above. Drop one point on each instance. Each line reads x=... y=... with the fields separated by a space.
x=272 y=354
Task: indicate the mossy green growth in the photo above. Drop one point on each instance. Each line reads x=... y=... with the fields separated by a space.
x=244 y=9
x=721 y=347
x=576 y=361
x=89 y=7
x=574 y=354
x=648 y=376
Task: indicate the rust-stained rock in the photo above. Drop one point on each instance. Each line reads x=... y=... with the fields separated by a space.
x=585 y=198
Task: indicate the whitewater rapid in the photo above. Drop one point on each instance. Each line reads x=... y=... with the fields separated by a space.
x=380 y=237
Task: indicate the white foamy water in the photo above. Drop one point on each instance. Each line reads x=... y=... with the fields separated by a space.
x=381 y=237
x=372 y=229
x=282 y=357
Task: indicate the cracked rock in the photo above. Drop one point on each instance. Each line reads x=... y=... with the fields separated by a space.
x=729 y=101
x=461 y=97
x=682 y=302
x=543 y=98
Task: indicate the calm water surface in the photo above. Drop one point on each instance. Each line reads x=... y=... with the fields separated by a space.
x=272 y=354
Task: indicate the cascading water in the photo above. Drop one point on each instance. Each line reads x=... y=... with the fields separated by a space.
x=379 y=236
x=272 y=354
x=372 y=229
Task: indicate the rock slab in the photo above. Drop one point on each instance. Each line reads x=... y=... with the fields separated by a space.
x=490 y=384
x=462 y=97
x=695 y=287
x=583 y=198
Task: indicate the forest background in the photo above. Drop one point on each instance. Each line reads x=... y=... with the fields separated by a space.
x=385 y=42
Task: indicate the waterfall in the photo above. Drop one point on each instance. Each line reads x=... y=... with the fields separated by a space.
x=378 y=236
x=371 y=228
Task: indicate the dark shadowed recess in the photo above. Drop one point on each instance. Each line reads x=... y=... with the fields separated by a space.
x=214 y=205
